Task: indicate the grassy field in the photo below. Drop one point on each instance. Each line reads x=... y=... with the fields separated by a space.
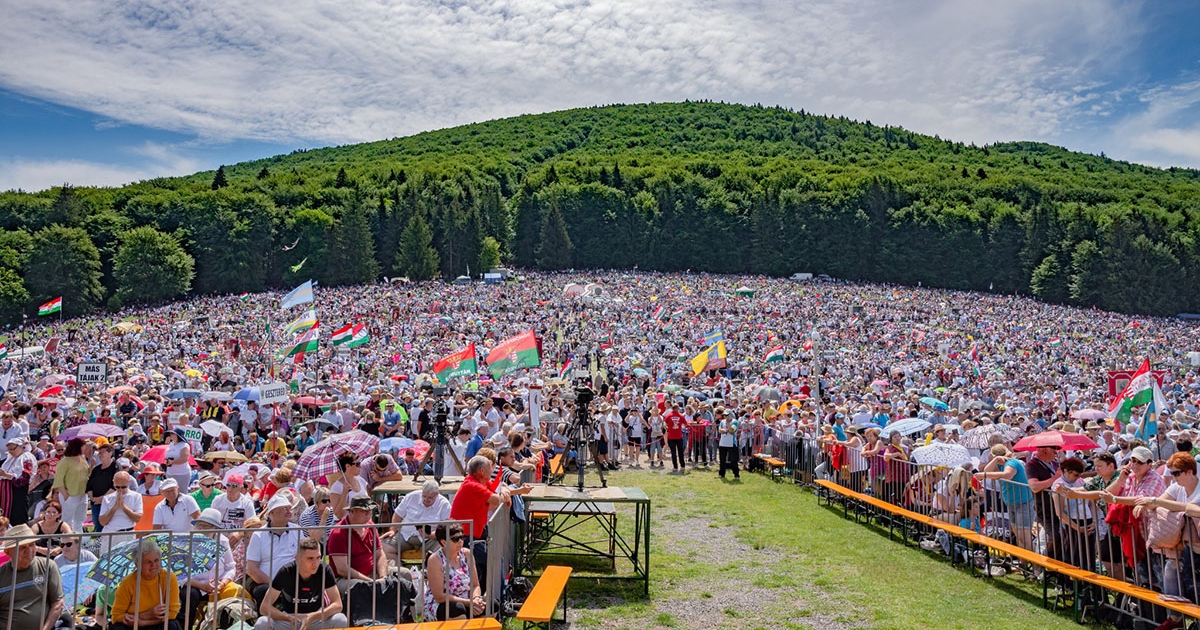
x=758 y=554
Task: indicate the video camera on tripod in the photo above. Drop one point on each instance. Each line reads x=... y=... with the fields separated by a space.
x=578 y=435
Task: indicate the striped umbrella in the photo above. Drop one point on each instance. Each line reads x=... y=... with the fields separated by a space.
x=320 y=459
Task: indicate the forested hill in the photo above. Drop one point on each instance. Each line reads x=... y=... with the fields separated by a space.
x=701 y=186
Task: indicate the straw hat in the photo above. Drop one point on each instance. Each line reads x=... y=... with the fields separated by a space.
x=19 y=531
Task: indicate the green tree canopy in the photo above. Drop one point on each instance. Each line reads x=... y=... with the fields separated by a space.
x=151 y=266
x=64 y=262
x=416 y=257
x=554 y=252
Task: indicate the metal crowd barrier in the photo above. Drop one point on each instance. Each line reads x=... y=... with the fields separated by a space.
x=114 y=562
x=1070 y=530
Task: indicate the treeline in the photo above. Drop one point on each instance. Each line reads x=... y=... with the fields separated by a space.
x=699 y=186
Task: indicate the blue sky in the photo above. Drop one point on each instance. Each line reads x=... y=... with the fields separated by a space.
x=95 y=92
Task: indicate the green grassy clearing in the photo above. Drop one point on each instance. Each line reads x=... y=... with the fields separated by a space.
x=797 y=566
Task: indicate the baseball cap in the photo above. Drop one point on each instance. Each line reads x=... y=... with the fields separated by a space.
x=1142 y=454
x=235 y=480
x=212 y=516
x=168 y=483
x=278 y=502
x=17 y=441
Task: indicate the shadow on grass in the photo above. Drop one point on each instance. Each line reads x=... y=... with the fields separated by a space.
x=1018 y=590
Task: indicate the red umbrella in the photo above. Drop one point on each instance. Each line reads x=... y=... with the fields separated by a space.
x=48 y=401
x=420 y=447
x=120 y=389
x=158 y=455
x=308 y=401
x=51 y=391
x=1060 y=439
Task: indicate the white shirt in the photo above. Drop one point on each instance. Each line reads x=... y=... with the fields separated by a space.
x=412 y=510
x=121 y=521
x=234 y=513
x=175 y=451
x=223 y=569
x=179 y=518
x=272 y=550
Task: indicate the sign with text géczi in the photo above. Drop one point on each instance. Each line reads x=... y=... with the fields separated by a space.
x=91 y=373
x=273 y=393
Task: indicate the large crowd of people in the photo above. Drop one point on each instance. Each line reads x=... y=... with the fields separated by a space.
x=816 y=371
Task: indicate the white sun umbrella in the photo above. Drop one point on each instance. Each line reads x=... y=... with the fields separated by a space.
x=938 y=454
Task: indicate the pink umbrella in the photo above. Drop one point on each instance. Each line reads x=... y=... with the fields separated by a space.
x=1059 y=439
x=158 y=455
x=420 y=447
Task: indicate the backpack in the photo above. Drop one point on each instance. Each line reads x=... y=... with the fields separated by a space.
x=229 y=612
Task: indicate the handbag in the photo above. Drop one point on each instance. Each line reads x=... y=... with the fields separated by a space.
x=1164 y=529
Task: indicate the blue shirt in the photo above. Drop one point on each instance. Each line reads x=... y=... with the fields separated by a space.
x=473 y=446
x=1016 y=491
x=841 y=435
x=391 y=418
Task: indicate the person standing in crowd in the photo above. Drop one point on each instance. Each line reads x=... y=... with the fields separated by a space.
x=100 y=480
x=70 y=482
x=120 y=510
x=15 y=473
x=727 y=428
x=674 y=422
x=179 y=455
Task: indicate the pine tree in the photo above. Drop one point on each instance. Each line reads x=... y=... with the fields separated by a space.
x=66 y=209
x=219 y=180
x=528 y=227
x=555 y=249
x=617 y=182
x=352 y=254
x=342 y=181
x=416 y=257
x=264 y=173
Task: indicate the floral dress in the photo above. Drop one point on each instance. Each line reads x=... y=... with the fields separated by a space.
x=457 y=578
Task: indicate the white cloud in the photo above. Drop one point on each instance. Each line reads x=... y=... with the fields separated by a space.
x=336 y=71
x=154 y=160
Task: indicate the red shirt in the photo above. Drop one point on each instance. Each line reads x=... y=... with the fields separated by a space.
x=471 y=504
x=674 y=422
x=361 y=544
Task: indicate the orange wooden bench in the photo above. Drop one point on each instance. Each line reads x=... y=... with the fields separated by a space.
x=478 y=623
x=542 y=601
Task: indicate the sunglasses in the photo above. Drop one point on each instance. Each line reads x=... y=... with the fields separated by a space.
x=207 y=485
x=120 y=487
x=1134 y=460
x=1175 y=473
x=458 y=538
x=68 y=545
x=323 y=501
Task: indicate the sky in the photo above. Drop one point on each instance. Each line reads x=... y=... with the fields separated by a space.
x=107 y=92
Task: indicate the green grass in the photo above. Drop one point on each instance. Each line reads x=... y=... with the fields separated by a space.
x=819 y=568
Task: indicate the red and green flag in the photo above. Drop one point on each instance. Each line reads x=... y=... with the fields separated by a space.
x=53 y=306
x=774 y=355
x=513 y=354
x=350 y=335
x=305 y=344
x=463 y=363
x=1142 y=389
x=3 y=351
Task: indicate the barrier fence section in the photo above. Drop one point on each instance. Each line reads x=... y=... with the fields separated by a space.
x=236 y=566
x=1069 y=520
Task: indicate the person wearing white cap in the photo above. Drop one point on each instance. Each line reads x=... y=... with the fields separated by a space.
x=217 y=580
x=14 y=481
x=268 y=551
x=176 y=511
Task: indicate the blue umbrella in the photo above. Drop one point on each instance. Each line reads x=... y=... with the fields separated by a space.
x=396 y=444
x=935 y=403
x=640 y=372
x=76 y=585
x=181 y=554
x=905 y=427
x=247 y=393
x=178 y=394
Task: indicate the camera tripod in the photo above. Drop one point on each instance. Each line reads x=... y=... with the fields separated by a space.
x=440 y=420
x=578 y=434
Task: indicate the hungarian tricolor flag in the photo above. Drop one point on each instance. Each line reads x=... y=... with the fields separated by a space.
x=1056 y=342
x=3 y=351
x=53 y=306
x=1141 y=390
x=351 y=335
x=562 y=372
x=306 y=343
x=774 y=354
x=513 y=354
x=658 y=312
x=462 y=363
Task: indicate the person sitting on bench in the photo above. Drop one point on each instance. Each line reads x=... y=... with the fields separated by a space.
x=452 y=585
x=299 y=592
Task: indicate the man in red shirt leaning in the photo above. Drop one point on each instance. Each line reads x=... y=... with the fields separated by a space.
x=471 y=503
x=674 y=421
